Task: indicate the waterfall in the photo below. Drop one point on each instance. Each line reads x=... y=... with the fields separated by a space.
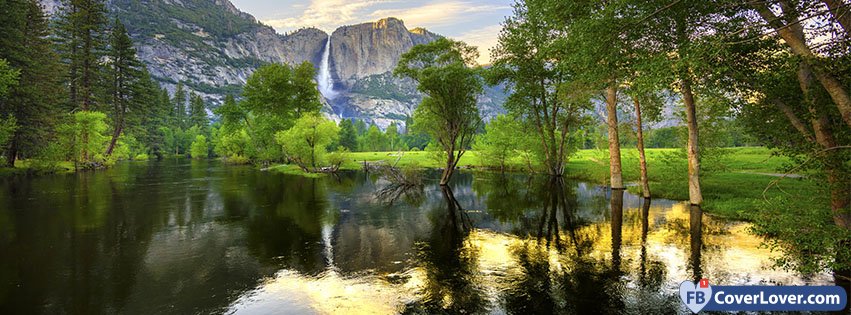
x=323 y=78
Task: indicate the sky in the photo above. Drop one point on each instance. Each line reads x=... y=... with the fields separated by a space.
x=476 y=22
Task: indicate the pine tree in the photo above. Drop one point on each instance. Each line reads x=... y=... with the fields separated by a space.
x=25 y=46
x=198 y=112
x=124 y=74
x=179 y=100
x=348 y=135
x=81 y=41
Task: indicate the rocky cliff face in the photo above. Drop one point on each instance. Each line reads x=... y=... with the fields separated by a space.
x=209 y=45
x=212 y=48
x=362 y=50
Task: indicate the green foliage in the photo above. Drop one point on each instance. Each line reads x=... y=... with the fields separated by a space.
x=275 y=96
x=230 y=143
x=84 y=136
x=496 y=146
x=394 y=142
x=667 y=137
x=8 y=77
x=199 y=149
x=348 y=135
x=373 y=140
x=82 y=40
x=449 y=113
x=35 y=101
x=179 y=118
x=282 y=92
x=305 y=143
x=7 y=130
x=806 y=236
x=383 y=86
x=198 y=112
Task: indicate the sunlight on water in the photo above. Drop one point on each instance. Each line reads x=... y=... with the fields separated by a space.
x=198 y=237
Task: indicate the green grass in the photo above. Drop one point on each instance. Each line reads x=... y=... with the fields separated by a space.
x=292 y=169
x=24 y=166
x=731 y=182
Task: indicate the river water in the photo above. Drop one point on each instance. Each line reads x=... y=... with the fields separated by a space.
x=189 y=237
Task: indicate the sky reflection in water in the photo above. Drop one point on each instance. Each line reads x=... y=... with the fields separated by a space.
x=197 y=237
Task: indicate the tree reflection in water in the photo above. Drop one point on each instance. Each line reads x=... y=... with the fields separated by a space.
x=449 y=264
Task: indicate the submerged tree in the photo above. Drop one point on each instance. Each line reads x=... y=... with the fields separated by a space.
x=444 y=72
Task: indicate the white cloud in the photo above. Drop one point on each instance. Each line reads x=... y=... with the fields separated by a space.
x=330 y=14
x=327 y=14
x=484 y=38
x=437 y=13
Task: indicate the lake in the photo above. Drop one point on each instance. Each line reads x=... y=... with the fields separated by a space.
x=188 y=237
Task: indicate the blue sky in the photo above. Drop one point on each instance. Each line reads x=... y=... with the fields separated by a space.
x=476 y=22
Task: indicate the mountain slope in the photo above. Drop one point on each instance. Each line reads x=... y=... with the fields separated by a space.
x=212 y=48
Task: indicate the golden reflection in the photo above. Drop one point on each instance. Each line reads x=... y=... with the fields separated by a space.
x=635 y=260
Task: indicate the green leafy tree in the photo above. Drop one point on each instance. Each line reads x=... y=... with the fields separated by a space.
x=498 y=144
x=527 y=59
x=84 y=133
x=444 y=72
x=374 y=140
x=274 y=97
x=413 y=137
x=306 y=142
x=199 y=148
x=348 y=135
x=393 y=140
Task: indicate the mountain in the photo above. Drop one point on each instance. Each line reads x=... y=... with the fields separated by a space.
x=212 y=48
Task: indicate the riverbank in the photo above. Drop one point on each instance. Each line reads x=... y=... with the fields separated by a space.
x=734 y=180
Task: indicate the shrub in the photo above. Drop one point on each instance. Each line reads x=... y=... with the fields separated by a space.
x=199 y=149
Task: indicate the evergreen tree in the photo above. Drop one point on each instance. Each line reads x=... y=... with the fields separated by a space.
x=392 y=136
x=348 y=135
x=198 y=112
x=179 y=100
x=81 y=42
x=360 y=127
x=125 y=76
x=32 y=102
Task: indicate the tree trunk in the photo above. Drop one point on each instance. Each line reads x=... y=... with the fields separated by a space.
x=839 y=186
x=839 y=10
x=450 y=168
x=793 y=119
x=793 y=34
x=12 y=152
x=642 y=160
x=695 y=196
x=614 y=142
x=115 y=135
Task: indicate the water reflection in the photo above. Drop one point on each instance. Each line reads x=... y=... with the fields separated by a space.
x=196 y=237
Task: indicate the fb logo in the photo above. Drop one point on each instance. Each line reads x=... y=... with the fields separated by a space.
x=695 y=297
